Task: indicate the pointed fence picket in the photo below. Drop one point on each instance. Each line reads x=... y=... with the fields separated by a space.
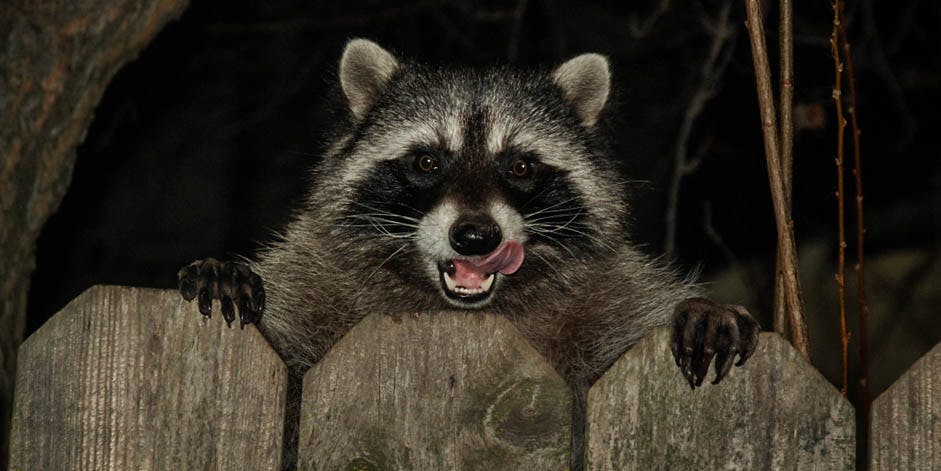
x=131 y=378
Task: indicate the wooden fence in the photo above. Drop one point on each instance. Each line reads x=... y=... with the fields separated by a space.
x=129 y=378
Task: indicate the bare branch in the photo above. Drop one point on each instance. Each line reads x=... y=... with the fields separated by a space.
x=841 y=225
x=862 y=303
x=639 y=28
x=785 y=226
x=742 y=271
x=710 y=74
x=786 y=44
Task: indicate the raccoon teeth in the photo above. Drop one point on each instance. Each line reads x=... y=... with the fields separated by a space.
x=452 y=285
x=484 y=285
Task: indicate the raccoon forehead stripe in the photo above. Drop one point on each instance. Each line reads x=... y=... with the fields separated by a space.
x=392 y=142
x=499 y=135
x=452 y=130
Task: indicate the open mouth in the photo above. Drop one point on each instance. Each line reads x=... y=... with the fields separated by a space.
x=467 y=291
x=473 y=280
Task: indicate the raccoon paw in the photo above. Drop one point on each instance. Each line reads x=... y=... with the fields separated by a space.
x=703 y=330
x=230 y=282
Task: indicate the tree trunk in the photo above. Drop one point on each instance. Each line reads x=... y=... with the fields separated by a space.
x=56 y=59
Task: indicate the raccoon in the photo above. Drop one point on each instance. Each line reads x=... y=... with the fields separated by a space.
x=453 y=188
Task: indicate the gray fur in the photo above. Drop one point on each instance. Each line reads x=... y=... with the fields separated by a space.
x=589 y=309
x=586 y=81
x=364 y=70
x=591 y=303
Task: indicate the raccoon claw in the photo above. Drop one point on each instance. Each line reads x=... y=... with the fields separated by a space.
x=703 y=331
x=231 y=283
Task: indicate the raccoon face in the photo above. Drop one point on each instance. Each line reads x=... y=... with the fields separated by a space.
x=471 y=183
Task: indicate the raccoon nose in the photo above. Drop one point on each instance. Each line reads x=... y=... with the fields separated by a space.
x=475 y=236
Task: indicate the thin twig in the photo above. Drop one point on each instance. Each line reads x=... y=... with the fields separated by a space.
x=862 y=303
x=786 y=45
x=710 y=75
x=787 y=94
x=782 y=215
x=639 y=28
x=841 y=226
x=742 y=271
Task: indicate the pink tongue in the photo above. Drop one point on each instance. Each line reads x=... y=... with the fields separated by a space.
x=506 y=260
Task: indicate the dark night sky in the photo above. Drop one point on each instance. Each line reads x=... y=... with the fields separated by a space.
x=200 y=147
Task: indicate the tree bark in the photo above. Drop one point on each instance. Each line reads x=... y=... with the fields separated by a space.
x=56 y=59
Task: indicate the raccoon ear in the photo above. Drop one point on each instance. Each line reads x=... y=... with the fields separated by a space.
x=365 y=69
x=585 y=81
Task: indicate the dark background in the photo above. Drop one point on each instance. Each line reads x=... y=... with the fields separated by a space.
x=202 y=146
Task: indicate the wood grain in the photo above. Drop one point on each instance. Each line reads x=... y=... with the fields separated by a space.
x=441 y=391
x=56 y=59
x=906 y=419
x=776 y=412
x=131 y=378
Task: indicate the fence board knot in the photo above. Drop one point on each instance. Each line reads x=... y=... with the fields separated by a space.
x=449 y=390
x=131 y=378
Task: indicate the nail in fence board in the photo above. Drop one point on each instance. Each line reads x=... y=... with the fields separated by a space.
x=131 y=378
x=776 y=412
x=906 y=419
x=441 y=391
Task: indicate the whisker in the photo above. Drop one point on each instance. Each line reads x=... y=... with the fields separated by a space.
x=549 y=264
x=549 y=207
x=381 y=233
x=391 y=216
x=390 y=257
x=559 y=243
x=554 y=213
x=387 y=221
x=558 y=227
x=554 y=219
x=389 y=234
x=373 y=208
x=536 y=196
x=572 y=219
x=545 y=229
x=365 y=285
x=383 y=230
x=550 y=210
x=387 y=214
x=601 y=242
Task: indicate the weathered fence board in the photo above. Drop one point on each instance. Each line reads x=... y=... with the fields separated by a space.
x=775 y=413
x=437 y=391
x=130 y=378
x=906 y=419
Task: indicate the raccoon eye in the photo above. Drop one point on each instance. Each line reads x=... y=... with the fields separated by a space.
x=426 y=164
x=520 y=168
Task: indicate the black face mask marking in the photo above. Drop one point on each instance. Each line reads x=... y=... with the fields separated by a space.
x=390 y=203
